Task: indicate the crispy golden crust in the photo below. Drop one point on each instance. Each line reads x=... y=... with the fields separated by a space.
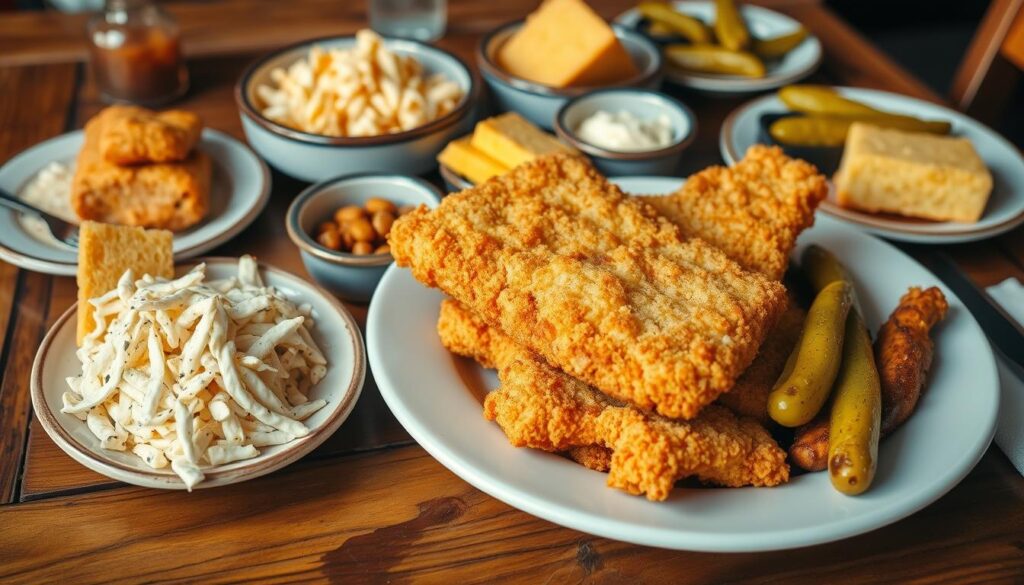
x=596 y=282
x=753 y=211
x=133 y=135
x=592 y=457
x=171 y=196
x=749 y=397
x=540 y=407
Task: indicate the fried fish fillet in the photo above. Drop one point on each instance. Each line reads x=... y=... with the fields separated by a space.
x=132 y=135
x=595 y=282
x=171 y=196
x=753 y=211
x=540 y=407
x=749 y=397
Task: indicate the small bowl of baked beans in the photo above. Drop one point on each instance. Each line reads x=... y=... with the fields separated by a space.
x=341 y=227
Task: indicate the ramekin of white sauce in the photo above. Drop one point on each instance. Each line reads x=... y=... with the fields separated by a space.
x=628 y=131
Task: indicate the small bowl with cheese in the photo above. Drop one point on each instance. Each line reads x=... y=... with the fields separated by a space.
x=628 y=131
x=561 y=51
x=355 y=103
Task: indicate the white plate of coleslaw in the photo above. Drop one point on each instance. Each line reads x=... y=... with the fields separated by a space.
x=107 y=438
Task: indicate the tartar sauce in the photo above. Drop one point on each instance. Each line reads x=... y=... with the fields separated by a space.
x=625 y=132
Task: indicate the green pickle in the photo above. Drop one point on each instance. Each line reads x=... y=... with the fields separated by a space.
x=730 y=30
x=711 y=59
x=828 y=130
x=855 y=418
x=684 y=25
x=776 y=47
x=804 y=386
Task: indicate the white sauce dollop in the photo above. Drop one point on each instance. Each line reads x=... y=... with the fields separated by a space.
x=625 y=132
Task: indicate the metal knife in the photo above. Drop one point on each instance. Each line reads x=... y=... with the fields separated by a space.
x=1002 y=330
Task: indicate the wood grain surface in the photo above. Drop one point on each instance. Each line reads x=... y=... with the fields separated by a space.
x=369 y=505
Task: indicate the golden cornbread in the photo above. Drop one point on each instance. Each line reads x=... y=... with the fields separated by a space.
x=171 y=196
x=914 y=174
x=105 y=251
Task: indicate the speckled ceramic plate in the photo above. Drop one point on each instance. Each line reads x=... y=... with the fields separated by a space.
x=239 y=190
x=437 y=397
x=335 y=331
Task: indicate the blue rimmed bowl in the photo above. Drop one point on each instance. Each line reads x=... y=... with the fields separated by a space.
x=345 y=275
x=315 y=157
x=539 y=103
x=642 y=103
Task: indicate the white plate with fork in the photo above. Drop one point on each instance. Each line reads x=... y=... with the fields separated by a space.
x=239 y=190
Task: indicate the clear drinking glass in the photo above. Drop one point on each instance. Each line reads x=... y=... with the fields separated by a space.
x=423 y=20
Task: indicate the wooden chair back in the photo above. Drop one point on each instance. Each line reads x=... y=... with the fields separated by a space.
x=992 y=67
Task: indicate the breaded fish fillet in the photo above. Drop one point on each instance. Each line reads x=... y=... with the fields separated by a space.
x=540 y=407
x=171 y=196
x=749 y=397
x=753 y=211
x=595 y=282
x=132 y=135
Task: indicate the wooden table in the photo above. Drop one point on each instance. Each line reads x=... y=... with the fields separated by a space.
x=370 y=505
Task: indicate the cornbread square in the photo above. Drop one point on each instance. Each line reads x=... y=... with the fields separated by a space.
x=105 y=251
x=133 y=135
x=170 y=196
x=596 y=282
x=914 y=174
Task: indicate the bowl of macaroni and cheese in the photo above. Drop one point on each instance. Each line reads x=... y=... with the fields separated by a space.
x=355 y=103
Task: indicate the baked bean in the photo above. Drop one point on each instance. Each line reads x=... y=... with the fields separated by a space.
x=362 y=248
x=385 y=249
x=362 y=230
x=327 y=226
x=375 y=204
x=330 y=239
x=349 y=213
x=382 y=221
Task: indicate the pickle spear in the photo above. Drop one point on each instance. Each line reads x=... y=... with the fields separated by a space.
x=823 y=101
x=712 y=59
x=818 y=130
x=684 y=25
x=804 y=386
x=856 y=417
x=778 y=46
x=730 y=30
x=854 y=426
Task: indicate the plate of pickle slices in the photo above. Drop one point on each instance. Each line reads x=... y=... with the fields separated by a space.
x=755 y=49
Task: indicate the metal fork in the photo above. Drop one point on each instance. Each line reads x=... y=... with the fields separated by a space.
x=64 y=231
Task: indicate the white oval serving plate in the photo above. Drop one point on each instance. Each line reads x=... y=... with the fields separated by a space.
x=437 y=398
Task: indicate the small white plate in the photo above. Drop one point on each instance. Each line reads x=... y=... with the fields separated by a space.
x=763 y=24
x=1005 y=209
x=239 y=190
x=335 y=331
x=437 y=398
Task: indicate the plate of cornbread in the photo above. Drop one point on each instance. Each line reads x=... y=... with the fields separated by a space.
x=900 y=167
x=137 y=167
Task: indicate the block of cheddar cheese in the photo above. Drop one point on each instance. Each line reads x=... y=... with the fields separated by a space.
x=461 y=157
x=913 y=174
x=564 y=43
x=511 y=140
